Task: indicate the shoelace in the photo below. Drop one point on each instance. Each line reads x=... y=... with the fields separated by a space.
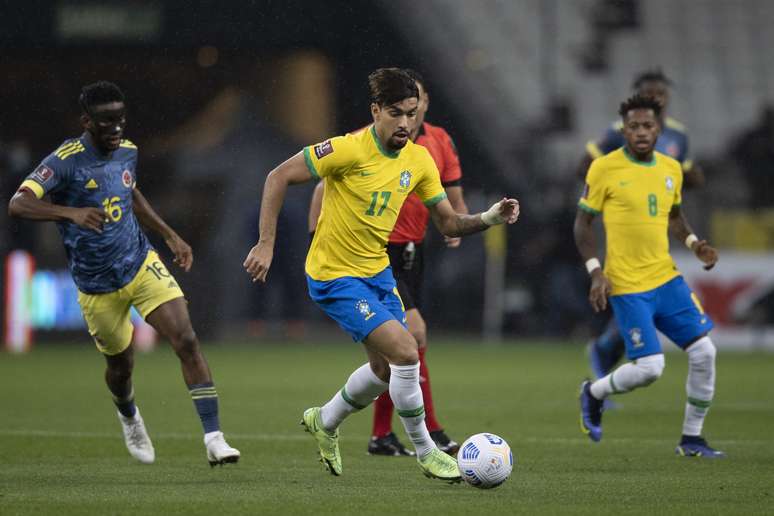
x=136 y=436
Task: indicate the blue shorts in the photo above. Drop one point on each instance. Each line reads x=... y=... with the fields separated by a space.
x=359 y=305
x=671 y=309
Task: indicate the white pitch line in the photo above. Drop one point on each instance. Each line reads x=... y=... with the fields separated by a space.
x=302 y=437
x=636 y=440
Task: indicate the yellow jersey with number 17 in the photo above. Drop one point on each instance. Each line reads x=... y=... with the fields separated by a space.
x=635 y=199
x=365 y=187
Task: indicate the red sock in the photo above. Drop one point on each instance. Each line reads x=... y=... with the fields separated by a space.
x=424 y=384
x=382 y=415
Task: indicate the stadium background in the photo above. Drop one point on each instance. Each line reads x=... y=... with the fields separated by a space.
x=220 y=93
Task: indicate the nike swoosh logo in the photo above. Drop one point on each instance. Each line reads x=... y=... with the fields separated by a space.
x=364 y=174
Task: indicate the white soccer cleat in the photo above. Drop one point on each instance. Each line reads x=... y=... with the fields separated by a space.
x=219 y=452
x=136 y=437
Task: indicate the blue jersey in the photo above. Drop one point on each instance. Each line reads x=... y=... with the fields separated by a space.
x=673 y=141
x=78 y=175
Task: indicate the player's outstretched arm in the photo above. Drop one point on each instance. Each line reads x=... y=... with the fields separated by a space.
x=315 y=206
x=457 y=201
x=585 y=241
x=292 y=171
x=26 y=205
x=681 y=230
x=148 y=217
x=453 y=224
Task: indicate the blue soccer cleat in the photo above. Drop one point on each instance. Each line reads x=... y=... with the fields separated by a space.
x=591 y=413
x=695 y=446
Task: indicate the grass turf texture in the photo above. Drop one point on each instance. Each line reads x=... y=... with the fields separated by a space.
x=61 y=449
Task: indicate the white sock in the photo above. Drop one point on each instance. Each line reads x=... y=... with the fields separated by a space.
x=362 y=387
x=700 y=385
x=407 y=398
x=631 y=375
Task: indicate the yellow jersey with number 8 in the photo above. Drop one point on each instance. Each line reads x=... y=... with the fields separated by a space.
x=365 y=187
x=635 y=199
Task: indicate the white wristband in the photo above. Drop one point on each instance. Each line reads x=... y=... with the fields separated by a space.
x=689 y=240
x=592 y=264
x=492 y=217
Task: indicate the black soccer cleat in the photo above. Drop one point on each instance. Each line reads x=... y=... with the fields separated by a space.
x=444 y=443
x=389 y=445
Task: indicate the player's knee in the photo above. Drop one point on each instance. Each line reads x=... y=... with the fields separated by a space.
x=185 y=342
x=380 y=367
x=405 y=350
x=702 y=353
x=651 y=368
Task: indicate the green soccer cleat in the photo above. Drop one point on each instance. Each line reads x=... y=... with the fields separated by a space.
x=438 y=464
x=328 y=443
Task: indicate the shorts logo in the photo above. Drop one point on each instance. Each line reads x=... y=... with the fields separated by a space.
x=636 y=335
x=405 y=179
x=364 y=309
x=670 y=184
x=126 y=177
x=323 y=149
x=42 y=174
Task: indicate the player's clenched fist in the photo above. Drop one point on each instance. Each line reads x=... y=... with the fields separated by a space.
x=706 y=253
x=600 y=289
x=258 y=261
x=506 y=210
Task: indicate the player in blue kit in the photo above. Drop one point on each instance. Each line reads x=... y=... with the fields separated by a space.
x=606 y=350
x=91 y=182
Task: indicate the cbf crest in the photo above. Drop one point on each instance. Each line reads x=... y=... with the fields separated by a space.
x=364 y=309
x=405 y=181
x=670 y=184
x=636 y=335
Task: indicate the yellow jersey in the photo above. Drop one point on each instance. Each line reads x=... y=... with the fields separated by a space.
x=635 y=199
x=365 y=187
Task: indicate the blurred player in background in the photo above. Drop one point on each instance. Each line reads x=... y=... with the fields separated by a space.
x=406 y=252
x=638 y=191
x=91 y=181
x=367 y=177
x=606 y=350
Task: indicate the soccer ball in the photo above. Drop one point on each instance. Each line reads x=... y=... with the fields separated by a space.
x=485 y=460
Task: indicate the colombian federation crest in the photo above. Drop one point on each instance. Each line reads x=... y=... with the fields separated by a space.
x=405 y=179
x=670 y=184
x=364 y=309
x=126 y=178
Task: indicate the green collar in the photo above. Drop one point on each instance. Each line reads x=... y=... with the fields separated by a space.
x=384 y=151
x=631 y=158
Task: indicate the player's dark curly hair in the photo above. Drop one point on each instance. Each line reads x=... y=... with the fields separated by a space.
x=639 y=102
x=391 y=85
x=100 y=92
x=417 y=77
x=656 y=74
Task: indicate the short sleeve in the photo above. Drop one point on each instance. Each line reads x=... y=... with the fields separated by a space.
x=594 y=191
x=331 y=157
x=51 y=175
x=429 y=188
x=610 y=141
x=451 y=171
x=678 y=200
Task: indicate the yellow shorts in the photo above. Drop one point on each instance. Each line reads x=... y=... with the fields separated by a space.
x=107 y=315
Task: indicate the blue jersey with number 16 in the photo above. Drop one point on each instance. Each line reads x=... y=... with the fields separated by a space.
x=78 y=175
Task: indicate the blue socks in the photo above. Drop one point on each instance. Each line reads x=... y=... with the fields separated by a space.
x=205 y=398
x=125 y=405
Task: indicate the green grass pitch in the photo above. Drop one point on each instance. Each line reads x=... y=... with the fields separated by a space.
x=61 y=449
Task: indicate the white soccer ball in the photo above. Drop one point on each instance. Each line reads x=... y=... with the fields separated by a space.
x=485 y=460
